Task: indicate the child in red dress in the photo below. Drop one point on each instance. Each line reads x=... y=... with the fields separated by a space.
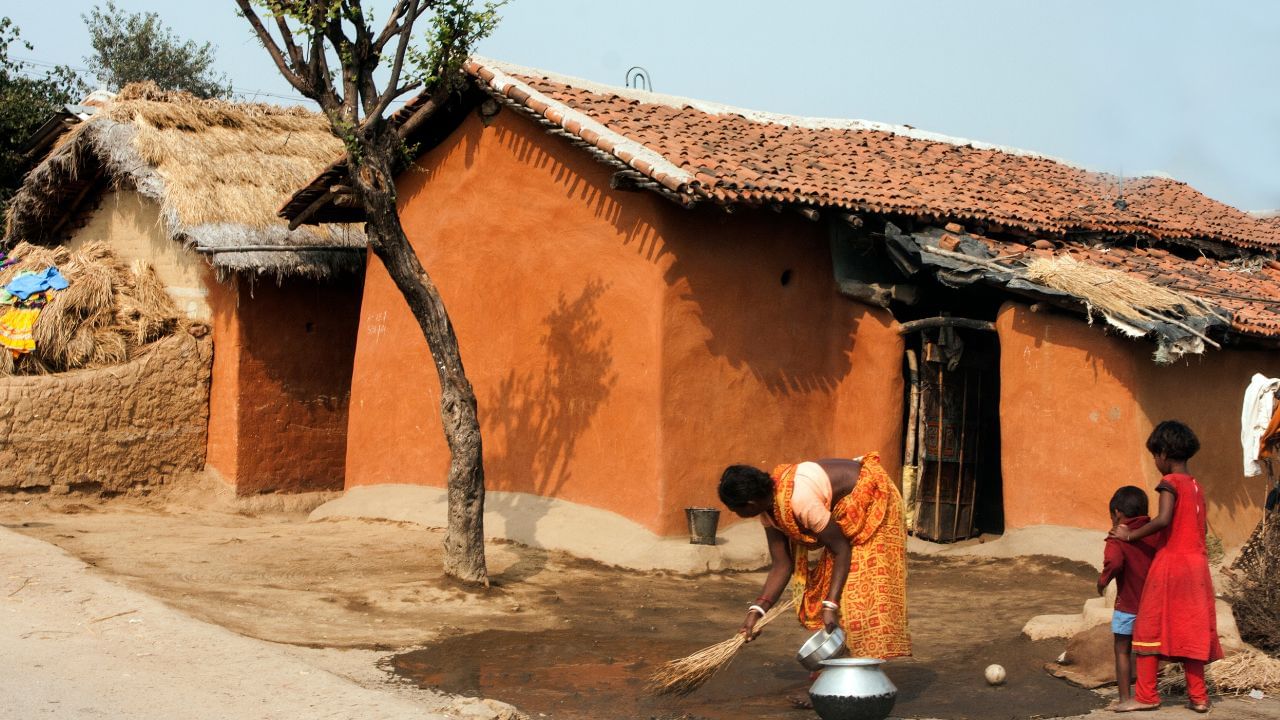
x=1128 y=564
x=1177 y=620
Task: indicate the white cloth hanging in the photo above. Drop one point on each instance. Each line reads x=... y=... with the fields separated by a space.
x=1259 y=404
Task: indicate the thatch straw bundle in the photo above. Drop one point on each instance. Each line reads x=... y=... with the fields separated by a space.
x=1237 y=674
x=683 y=676
x=1114 y=293
x=109 y=311
x=224 y=162
x=218 y=171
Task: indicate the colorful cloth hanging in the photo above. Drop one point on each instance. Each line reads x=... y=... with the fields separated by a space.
x=16 y=329
x=26 y=294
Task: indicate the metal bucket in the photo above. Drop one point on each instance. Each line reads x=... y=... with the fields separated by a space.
x=702 y=525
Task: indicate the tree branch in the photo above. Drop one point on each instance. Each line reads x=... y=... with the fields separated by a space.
x=392 y=92
x=342 y=45
x=364 y=57
x=264 y=36
x=286 y=35
x=392 y=28
x=319 y=67
x=406 y=88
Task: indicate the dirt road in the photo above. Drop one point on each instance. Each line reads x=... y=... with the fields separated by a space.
x=78 y=645
x=555 y=636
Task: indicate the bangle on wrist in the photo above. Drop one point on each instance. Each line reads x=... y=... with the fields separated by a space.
x=757 y=608
x=830 y=605
x=764 y=602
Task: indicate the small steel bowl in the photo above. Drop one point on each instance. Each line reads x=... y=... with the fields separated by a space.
x=821 y=646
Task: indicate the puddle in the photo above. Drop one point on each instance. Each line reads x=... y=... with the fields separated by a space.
x=568 y=675
x=572 y=675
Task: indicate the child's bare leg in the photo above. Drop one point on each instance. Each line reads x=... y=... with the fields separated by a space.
x=1124 y=671
x=1146 y=696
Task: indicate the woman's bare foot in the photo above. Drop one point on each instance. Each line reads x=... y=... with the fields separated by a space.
x=1199 y=707
x=1131 y=705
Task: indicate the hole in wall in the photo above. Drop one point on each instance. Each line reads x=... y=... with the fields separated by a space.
x=786 y=278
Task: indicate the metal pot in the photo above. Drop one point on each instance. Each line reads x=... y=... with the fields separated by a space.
x=853 y=689
x=820 y=646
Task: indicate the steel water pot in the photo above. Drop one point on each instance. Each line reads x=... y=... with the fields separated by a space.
x=821 y=646
x=853 y=689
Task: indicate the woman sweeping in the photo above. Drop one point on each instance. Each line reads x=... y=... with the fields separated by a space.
x=852 y=511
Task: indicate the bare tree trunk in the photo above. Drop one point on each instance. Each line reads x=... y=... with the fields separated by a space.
x=373 y=182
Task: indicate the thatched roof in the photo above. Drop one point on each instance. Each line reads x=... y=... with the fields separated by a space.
x=219 y=170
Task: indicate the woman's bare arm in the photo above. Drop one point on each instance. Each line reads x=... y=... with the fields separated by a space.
x=841 y=552
x=780 y=569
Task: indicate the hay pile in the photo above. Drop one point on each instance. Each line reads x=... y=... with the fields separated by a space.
x=1237 y=674
x=1117 y=294
x=110 y=311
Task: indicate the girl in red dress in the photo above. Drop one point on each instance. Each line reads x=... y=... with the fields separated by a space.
x=1177 y=620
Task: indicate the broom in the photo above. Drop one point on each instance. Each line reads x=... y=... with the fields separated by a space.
x=683 y=676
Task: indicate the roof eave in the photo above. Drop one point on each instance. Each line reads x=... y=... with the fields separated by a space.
x=315 y=204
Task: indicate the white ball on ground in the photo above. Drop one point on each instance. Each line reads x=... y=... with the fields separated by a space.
x=995 y=674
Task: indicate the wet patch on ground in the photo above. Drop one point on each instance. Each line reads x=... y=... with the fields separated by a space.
x=570 y=675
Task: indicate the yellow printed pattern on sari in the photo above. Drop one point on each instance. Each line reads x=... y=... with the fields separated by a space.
x=873 y=606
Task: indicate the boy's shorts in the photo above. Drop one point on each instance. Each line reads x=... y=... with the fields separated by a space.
x=1122 y=622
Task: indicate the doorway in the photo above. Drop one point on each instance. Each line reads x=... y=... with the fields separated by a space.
x=951 y=460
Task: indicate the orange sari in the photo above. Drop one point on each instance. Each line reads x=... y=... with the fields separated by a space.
x=873 y=607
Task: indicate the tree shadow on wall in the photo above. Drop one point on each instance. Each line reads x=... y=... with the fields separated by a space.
x=761 y=290
x=537 y=417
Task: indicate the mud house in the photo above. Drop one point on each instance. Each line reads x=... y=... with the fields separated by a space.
x=192 y=186
x=647 y=288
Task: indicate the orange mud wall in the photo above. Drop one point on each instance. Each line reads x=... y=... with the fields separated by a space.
x=1077 y=404
x=623 y=350
x=282 y=382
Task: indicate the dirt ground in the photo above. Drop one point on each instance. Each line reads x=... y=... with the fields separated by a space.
x=555 y=636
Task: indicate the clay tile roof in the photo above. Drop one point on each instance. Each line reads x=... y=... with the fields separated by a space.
x=731 y=155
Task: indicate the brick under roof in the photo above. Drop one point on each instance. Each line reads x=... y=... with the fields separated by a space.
x=729 y=155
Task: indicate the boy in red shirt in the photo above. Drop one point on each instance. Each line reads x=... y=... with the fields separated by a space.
x=1127 y=563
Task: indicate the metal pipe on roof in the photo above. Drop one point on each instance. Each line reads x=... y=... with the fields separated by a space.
x=277 y=248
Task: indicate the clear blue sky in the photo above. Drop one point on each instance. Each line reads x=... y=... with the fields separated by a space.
x=1187 y=88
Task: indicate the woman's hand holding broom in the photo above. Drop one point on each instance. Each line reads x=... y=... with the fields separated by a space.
x=683 y=676
x=754 y=613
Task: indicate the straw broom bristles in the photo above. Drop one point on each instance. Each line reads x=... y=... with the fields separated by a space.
x=683 y=676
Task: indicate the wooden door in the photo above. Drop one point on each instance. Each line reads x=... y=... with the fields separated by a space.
x=957 y=439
